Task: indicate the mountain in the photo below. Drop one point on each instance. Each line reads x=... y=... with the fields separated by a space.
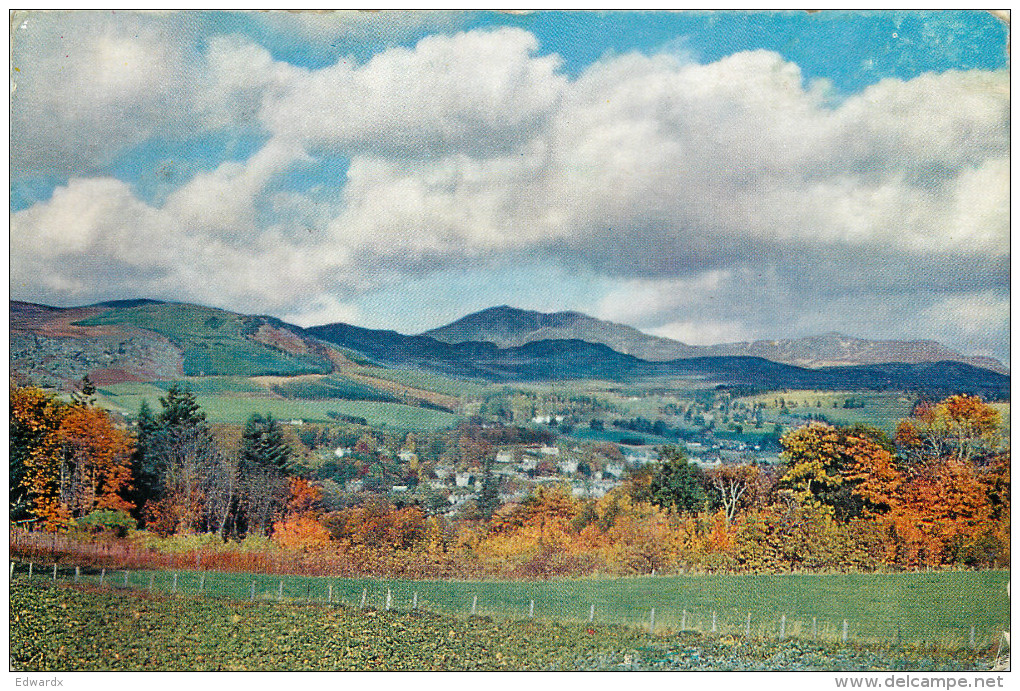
x=141 y=340
x=565 y=359
x=509 y=327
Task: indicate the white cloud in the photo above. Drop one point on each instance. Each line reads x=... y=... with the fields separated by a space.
x=728 y=200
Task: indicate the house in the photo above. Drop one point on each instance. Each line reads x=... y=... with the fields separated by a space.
x=549 y=451
x=342 y=451
x=463 y=479
x=354 y=486
x=399 y=489
x=504 y=456
x=407 y=456
x=567 y=465
x=297 y=423
x=528 y=464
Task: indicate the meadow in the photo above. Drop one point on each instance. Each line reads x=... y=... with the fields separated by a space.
x=918 y=608
x=232 y=400
x=60 y=628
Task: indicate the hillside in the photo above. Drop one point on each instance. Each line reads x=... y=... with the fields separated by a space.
x=509 y=327
x=576 y=359
x=144 y=340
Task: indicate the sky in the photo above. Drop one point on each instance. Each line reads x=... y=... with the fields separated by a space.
x=706 y=176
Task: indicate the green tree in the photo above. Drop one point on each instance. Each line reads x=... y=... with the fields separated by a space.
x=674 y=483
x=262 y=472
x=488 y=502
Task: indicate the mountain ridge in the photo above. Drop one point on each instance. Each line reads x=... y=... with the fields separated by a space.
x=512 y=327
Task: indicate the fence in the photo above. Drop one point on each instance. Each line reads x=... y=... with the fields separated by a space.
x=499 y=601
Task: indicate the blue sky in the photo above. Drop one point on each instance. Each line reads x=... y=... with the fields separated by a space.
x=708 y=176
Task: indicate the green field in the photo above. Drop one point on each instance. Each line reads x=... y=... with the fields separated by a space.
x=77 y=629
x=223 y=403
x=917 y=608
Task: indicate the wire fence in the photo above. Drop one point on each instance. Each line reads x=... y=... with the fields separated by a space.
x=497 y=601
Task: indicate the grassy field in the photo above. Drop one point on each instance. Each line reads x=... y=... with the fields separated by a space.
x=912 y=608
x=224 y=404
x=76 y=629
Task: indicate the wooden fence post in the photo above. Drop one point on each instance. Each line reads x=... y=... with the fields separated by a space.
x=591 y=613
x=55 y=577
x=713 y=623
x=683 y=621
x=782 y=628
x=747 y=627
x=253 y=591
x=279 y=595
x=414 y=600
x=201 y=584
x=364 y=596
x=77 y=574
x=330 y=594
x=152 y=577
x=651 y=621
x=389 y=599
x=474 y=606
x=29 y=569
x=844 y=632
x=102 y=577
x=814 y=627
x=531 y=610
x=971 y=636
x=127 y=578
x=174 y=591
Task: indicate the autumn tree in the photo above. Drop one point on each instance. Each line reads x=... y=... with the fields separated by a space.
x=842 y=469
x=35 y=455
x=95 y=471
x=960 y=427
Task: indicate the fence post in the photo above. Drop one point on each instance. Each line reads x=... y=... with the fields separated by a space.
x=971 y=636
x=127 y=578
x=201 y=584
x=29 y=569
x=279 y=595
x=174 y=591
x=414 y=600
x=102 y=577
x=713 y=623
x=683 y=621
x=814 y=627
x=55 y=578
x=782 y=628
x=474 y=606
x=747 y=627
x=651 y=621
x=152 y=577
x=12 y=569
x=253 y=591
x=77 y=573
x=364 y=596
x=591 y=613
x=531 y=610
x=389 y=599
x=844 y=632
x=330 y=595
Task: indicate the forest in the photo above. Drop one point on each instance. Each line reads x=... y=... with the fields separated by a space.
x=844 y=498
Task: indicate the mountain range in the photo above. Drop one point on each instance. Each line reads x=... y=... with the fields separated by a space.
x=146 y=340
x=508 y=327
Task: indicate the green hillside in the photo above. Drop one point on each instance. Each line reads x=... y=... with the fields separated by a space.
x=214 y=341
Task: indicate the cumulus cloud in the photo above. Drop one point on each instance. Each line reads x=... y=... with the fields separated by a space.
x=728 y=200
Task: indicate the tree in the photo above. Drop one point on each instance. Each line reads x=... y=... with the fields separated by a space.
x=960 y=427
x=95 y=468
x=730 y=484
x=35 y=455
x=675 y=483
x=262 y=470
x=839 y=468
x=488 y=502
